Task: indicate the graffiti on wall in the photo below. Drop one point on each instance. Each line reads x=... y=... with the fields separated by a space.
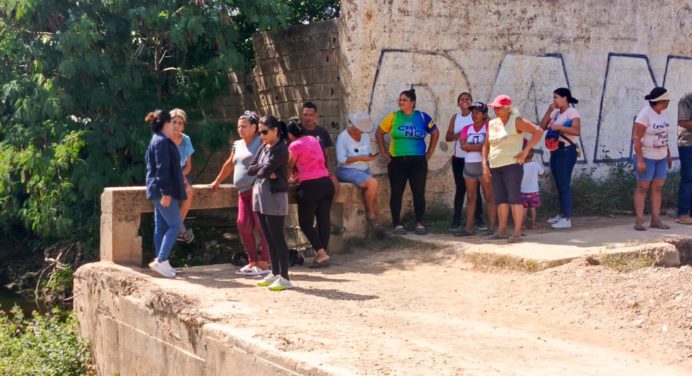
x=530 y=80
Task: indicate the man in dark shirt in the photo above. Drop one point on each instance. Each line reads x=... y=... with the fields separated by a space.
x=309 y=117
x=685 y=153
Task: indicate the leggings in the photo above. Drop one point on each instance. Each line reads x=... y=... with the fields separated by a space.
x=315 y=201
x=273 y=227
x=460 y=194
x=413 y=170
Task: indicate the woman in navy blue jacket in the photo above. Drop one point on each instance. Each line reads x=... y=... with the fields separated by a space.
x=165 y=187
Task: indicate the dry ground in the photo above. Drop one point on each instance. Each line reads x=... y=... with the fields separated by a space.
x=417 y=310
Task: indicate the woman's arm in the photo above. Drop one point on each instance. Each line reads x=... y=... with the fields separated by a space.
x=380 y=143
x=277 y=160
x=434 y=136
x=225 y=172
x=465 y=146
x=639 y=130
x=188 y=166
x=574 y=130
x=536 y=133
x=450 y=136
x=545 y=121
x=163 y=167
x=485 y=151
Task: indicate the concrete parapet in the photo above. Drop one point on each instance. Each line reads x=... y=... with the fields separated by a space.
x=122 y=207
x=136 y=328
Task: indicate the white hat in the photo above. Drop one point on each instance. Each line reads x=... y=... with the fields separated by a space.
x=361 y=120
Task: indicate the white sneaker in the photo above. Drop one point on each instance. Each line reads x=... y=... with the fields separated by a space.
x=562 y=223
x=268 y=280
x=555 y=219
x=281 y=284
x=168 y=267
x=159 y=268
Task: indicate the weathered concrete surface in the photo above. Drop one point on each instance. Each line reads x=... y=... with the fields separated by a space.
x=399 y=312
x=551 y=247
x=122 y=207
x=609 y=53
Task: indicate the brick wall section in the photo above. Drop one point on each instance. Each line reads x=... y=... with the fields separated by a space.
x=292 y=66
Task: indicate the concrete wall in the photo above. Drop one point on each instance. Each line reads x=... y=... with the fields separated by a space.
x=610 y=53
x=296 y=65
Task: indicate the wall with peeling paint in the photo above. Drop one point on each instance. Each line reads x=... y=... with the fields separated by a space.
x=609 y=53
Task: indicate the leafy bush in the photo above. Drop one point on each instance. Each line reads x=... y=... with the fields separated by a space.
x=41 y=345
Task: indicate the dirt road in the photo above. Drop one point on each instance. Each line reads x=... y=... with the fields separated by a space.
x=417 y=311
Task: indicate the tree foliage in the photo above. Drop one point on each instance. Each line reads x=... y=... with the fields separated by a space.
x=79 y=77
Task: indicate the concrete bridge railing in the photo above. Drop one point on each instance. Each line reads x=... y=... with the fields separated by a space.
x=122 y=208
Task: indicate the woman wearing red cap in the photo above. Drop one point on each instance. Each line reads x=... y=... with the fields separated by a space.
x=504 y=153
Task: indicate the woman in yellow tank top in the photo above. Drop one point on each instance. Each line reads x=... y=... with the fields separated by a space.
x=503 y=155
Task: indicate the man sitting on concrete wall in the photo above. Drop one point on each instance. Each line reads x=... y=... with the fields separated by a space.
x=685 y=153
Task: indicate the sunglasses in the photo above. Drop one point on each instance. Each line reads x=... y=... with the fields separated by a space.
x=264 y=133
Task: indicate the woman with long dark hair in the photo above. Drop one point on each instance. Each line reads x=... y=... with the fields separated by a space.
x=270 y=197
x=165 y=187
x=407 y=156
x=563 y=123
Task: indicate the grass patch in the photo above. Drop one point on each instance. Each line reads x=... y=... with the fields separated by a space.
x=42 y=345
x=604 y=196
x=628 y=262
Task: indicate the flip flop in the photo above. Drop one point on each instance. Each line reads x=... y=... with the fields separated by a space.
x=683 y=222
x=660 y=226
x=514 y=239
x=498 y=237
x=639 y=227
x=321 y=264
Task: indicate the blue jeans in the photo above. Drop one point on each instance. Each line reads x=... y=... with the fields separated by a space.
x=685 y=191
x=167 y=226
x=562 y=163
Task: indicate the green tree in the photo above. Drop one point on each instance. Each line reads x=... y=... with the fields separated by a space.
x=79 y=78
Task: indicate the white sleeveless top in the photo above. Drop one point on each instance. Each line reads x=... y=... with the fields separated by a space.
x=460 y=122
x=474 y=137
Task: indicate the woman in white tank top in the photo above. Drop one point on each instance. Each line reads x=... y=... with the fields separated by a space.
x=456 y=124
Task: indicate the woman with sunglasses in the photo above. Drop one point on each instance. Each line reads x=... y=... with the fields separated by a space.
x=315 y=190
x=248 y=222
x=270 y=197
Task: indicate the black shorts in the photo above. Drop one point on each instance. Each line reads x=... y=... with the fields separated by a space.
x=506 y=181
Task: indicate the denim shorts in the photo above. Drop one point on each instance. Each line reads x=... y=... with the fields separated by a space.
x=353 y=175
x=655 y=169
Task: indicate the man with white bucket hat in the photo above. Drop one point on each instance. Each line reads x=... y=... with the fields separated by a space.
x=353 y=155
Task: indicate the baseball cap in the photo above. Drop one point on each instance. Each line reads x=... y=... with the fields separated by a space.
x=478 y=106
x=501 y=100
x=361 y=120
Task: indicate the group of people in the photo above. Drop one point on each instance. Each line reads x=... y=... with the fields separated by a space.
x=491 y=156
